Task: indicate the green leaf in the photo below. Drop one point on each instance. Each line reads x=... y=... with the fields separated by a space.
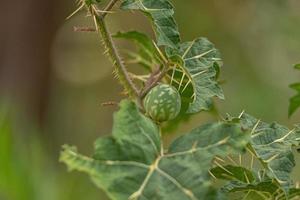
x=254 y=191
x=161 y=14
x=272 y=144
x=294 y=104
x=294 y=192
x=263 y=190
x=196 y=77
x=147 y=53
x=130 y=164
x=135 y=137
x=295 y=100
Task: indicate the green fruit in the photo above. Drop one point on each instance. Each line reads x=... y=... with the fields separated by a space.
x=162 y=103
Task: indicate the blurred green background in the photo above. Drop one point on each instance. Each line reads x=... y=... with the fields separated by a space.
x=53 y=81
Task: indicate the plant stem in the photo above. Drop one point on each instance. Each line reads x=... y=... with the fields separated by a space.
x=111 y=49
x=151 y=78
x=154 y=82
x=156 y=75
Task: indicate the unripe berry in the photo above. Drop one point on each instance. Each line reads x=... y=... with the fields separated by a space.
x=162 y=103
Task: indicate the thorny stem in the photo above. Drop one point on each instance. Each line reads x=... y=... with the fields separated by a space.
x=113 y=53
x=121 y=70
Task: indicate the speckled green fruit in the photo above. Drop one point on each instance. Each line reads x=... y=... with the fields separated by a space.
x=162 y=103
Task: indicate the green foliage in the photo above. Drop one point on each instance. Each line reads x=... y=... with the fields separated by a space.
x=198 y=59
x=246 y=184
x=131 y=164
x=161 y=14
x=295 y=100
x=193 y=66
x=272 y=144
x=162 y=103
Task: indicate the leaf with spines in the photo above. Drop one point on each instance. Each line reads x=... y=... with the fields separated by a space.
x=295 y=100
x=246 y=184
x=196 y=77
x=252 y=191
x=131 y=164
x=263 y=190
x=272 y=144
x=161 y=14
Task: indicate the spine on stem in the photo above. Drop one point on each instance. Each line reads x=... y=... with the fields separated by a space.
x=112 y=52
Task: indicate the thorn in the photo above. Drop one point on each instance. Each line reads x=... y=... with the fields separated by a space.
x=255 y=126
x=229 y=158
x=109 y=103
x=247 y=179
x=95 y=22
x=78 y=2
x=212 y=174
x=259 y=176
x=220 y=159
x=173 y=73
x=240 y=159
x=83 y=29
x=124 y=93
x=222 y=167
x=252 y=161
x=186 y=85
x=164 y=59
x=181 y=81
x=242 y=113
x=76 y=11
x=104 y=11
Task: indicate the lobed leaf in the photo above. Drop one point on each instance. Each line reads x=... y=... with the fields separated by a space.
x=272 y=144
x=131 y=164
x=200 y=61
x=161 y=14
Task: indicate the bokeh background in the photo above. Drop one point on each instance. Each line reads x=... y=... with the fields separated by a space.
x=53 y=81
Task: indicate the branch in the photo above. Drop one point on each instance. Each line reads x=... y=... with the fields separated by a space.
x=152 y=77
x=112 y=51
x=153 y=81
